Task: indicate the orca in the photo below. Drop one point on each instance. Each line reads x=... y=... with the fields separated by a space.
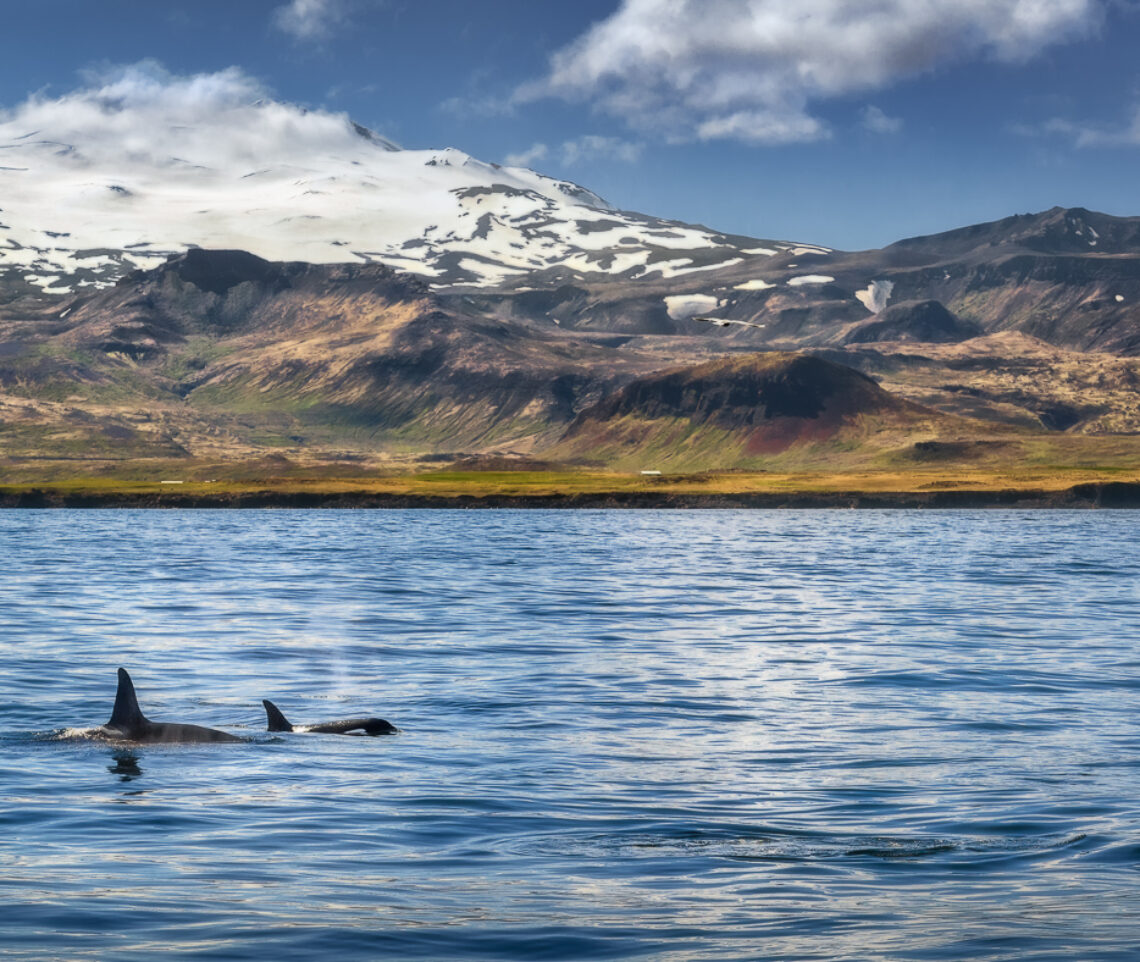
x=347 y=726
x=128 y=723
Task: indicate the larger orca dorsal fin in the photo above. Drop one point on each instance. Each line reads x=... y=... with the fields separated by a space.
x=277 y=721
x=126 y=715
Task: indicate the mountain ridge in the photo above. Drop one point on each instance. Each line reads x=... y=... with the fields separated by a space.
x=1064 y=288
x=425 y=301
x=80 y=211
x=744 y=412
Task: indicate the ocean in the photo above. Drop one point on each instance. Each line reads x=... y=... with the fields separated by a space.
x=674 y=735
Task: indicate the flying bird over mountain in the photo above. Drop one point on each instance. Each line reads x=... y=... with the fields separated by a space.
x=725 y=322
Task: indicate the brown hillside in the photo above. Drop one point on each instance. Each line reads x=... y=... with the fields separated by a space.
x=738 y=411
x=221 y=352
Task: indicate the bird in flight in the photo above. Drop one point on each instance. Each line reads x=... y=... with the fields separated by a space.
x=725 y=322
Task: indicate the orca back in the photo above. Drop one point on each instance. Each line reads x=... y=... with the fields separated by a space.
x=277 y=721
x=355 y=726
x=126 y=715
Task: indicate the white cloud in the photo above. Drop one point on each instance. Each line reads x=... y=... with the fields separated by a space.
x=595 y=147
x=783 y=126
x=749 y=69
x=309 y=19
x=527 y=157
x=469 y=105
x=1086 y=134
x=148 y=115
x=579 y=150
x=874 y=120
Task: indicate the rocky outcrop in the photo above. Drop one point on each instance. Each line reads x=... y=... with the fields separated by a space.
x=746 y=392
x=738 y=412
x=926 y=321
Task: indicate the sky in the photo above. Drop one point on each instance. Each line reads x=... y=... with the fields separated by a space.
x=848 y=123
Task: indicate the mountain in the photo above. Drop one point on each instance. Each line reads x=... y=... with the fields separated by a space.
x=255 y=277
x=80 y=207
x=97 y=189
x=221 y=352
x=1007 y=378
x=925 y=321
x=1069 y=277
x=757 y=410
x=223 y=355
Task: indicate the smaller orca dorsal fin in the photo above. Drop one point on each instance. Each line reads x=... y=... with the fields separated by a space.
x=277 y=721
x=126 y=715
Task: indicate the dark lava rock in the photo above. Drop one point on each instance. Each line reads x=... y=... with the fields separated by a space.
x=746 y=391
x=926 y=321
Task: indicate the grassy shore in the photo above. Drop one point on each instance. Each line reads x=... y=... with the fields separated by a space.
x=1072 y=487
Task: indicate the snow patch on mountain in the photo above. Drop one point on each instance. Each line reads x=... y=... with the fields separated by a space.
x=875 y=295
x=804 y=279
x=681 y=307
x=123 y=174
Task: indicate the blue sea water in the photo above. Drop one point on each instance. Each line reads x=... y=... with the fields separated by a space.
x=677 y=735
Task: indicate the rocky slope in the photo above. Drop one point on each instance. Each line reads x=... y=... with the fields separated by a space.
x=105 y=181
x=1009 y=378
x=222 y=354
x=1068 y=277
x=757 y=410
x=221 y=348
x=426 y=302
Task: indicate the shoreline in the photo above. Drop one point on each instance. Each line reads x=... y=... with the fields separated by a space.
x=1089 y=495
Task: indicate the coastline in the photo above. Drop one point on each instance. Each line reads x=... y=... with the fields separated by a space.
x=1088 y=495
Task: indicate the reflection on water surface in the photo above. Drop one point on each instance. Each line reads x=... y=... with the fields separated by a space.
x=668 y=735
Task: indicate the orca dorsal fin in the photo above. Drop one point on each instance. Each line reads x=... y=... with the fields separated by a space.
x=277 y=721
x=126 y=715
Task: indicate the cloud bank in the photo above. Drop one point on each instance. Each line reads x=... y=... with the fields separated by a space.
x=1084 y=133
x=525 y=158
x=589 y=147
x=311 y=20
x=750 y=69
x=875 y=120
x=146 y=115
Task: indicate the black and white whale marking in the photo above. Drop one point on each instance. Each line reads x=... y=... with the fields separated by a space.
x=128 y=723
x=346 y=726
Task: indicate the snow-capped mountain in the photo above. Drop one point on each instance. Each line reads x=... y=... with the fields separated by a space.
x=102 y=182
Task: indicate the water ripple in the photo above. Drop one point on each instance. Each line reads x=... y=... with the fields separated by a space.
x=666 y=735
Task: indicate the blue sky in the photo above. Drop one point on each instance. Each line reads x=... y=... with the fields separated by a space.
x=849 y=123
